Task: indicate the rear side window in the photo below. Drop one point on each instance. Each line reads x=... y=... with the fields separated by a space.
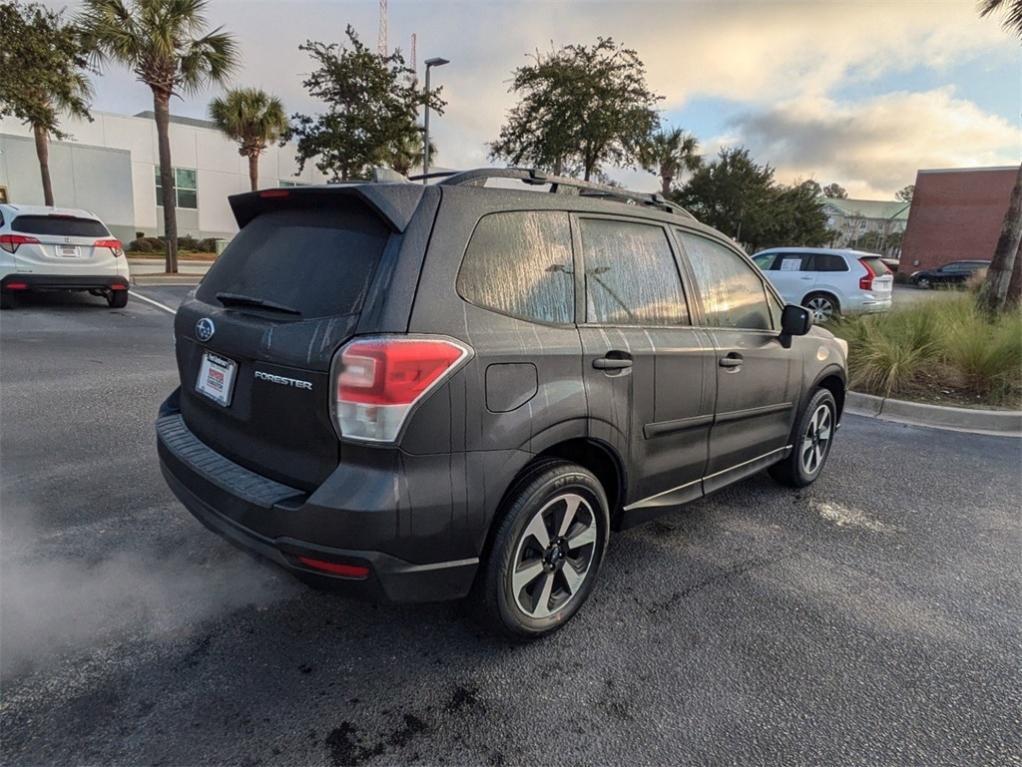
x=520 y=263
x=318 y=262
x=733 y=294
x=631 y=275
x=59 y=226
x=828 y=262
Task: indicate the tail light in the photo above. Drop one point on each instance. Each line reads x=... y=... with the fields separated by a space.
x=866 y=283
x=114 y=245
x=380 y=379
x=336 y=568
x=11 y=242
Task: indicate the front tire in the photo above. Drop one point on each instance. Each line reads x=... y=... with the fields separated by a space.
x=117 y=299
x=546 y=553
x=812 y=438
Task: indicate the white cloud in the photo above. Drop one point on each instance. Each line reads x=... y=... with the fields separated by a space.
x=874 y=147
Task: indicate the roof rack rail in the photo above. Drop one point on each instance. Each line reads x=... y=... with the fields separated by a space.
x=533 y=177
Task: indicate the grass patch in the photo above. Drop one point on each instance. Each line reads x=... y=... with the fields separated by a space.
x=943 y=351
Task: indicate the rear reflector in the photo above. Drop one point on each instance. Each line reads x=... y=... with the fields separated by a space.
x=118 y=287
x=274 y=193
x=336 y=568
x=113 y=245
x=11 y=242
x=16 y=286
x=380 y=379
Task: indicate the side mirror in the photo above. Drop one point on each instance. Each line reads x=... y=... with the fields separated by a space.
x=795 y=321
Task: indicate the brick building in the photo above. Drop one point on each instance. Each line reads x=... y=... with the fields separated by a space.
x=956 y=214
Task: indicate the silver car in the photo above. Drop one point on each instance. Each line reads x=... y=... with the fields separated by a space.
x=828 y=281
x=43 y=248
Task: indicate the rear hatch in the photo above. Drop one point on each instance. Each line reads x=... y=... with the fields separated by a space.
x=64 y=244
x=254 y=345
x=883 y=280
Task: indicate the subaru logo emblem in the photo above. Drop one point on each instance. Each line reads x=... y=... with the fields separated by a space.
x=204 y=329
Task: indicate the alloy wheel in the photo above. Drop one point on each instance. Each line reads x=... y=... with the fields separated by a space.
x=554 y=555
x=821 y=307
x=816 y=440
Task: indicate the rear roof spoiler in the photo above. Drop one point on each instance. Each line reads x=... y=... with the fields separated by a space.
x=394 y=203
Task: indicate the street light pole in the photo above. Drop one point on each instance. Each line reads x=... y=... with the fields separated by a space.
x=430 y=63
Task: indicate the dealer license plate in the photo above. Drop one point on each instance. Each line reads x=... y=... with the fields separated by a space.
x=216 y=378
x=68 y=251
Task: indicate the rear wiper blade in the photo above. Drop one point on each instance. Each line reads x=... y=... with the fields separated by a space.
x=237 y=299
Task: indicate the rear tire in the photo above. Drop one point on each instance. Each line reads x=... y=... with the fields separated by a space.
x=117 y=299
x=824 y=306
x=812 y=438
x=550 y=540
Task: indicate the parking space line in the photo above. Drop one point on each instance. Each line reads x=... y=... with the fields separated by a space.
x=157 y=304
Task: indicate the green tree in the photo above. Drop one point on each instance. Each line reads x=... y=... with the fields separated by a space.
x=43 y=74
x=740 y=198
x=1010 y=10
x=667 y=153
x=406 y=153
x=372 y=103
x=165 y=44
x=579 y=107
x=905 y=193
x=254 y=119
x=835 y=191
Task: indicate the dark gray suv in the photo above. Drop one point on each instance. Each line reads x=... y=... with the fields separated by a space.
x=414 y=392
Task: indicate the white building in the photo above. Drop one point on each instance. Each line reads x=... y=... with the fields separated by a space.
x=109 y=166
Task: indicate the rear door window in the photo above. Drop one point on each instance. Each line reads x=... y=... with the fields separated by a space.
x=732 y=291
x=827 y=262
x=631 y=276
x=59 y=226
x=520 y=263
x=318 y=262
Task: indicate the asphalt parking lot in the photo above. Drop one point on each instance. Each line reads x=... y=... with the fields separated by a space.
x=872 y=619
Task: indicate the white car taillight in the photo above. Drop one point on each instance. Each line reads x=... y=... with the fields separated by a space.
x=113 y=245
x=11 y=242
x=378 y=380
x=866 y=283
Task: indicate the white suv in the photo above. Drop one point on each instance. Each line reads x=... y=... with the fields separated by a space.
x=59 y=249
x=830 y=282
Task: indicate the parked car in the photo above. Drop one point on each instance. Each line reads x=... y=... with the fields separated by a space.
x=43 y=248
x=830 y=282
x=954 y=273
x=413 y=392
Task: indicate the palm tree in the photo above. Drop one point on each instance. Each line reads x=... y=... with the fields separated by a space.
x=162 y=41
x=1011 y=9
x=406 y=154
x=667 y=153
x=251 y=117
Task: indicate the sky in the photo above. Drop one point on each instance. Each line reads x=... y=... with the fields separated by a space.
x=859 y=92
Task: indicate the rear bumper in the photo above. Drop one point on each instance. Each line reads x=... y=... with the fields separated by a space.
x=869 y=303
x=33 y=281
x=280 y=523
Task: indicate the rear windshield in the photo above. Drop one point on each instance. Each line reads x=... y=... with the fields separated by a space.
x=877 y=265
x=318 y=262
x=60 y=226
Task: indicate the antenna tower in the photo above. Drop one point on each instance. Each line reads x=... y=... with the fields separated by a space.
x=381 y=38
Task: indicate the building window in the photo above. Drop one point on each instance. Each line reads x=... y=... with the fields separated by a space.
x=186 y=188
x=284 y=183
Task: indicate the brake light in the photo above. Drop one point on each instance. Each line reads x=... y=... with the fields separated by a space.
x=16 y=286
x=866 y=283
x=336 y=568
x=114 y=245
x=11 y=242
x=274 y=193
x=379 y=380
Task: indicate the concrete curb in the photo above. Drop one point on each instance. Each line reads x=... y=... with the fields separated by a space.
x=1001 y=423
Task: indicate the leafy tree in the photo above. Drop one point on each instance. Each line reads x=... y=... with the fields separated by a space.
x=740 y=198
x=813 y=186
x=253 y=118
x=1011 y=10
x=43 y=74
x=372 y=102
x=835 y=190
x=1003 y=283
x=162 y=42
x=580 y=106
x=667 y=153
x=905 y=193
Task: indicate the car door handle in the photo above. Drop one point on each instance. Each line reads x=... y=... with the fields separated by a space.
x=733 y=360
x=807 y=277
x=611 y=363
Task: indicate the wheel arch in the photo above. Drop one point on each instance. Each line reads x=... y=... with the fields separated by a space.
x=833 y=379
